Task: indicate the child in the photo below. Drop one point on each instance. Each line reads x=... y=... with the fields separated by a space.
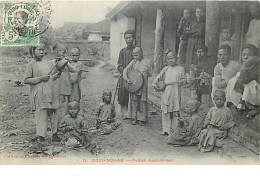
x=62 y=86
x=75 y=128
x=225 y=39
x=192 y=128
x=41 y=92
x=171 y=96
x=137 y=108
x=105 y=115
x=76 y=77
x=218 y=120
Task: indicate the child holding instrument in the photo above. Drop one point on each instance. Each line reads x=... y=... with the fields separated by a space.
x=77 y=76
x=75 y=128
x=38 y=76
x=188 y=135
x=171 y=96
x=137 y=108
x=62 y=86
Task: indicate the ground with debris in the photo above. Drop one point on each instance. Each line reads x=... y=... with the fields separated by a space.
x=137 y=144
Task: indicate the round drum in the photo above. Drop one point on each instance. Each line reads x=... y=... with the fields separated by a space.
x=137 y=80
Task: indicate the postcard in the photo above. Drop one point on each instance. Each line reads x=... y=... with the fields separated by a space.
x=129 y=82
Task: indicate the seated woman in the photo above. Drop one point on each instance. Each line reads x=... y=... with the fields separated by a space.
x=234 y=96
x=224 y=70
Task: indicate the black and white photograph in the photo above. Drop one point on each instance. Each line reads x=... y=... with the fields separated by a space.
x=130 y=82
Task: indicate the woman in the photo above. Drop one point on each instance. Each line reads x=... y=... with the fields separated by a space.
x=41 y=96
x=224 y=70
x=196 y=37
x=234 y=96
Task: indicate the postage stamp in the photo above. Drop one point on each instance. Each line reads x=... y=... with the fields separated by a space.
x=23 y=22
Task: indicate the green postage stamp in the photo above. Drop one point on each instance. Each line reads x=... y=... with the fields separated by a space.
x=23 y=22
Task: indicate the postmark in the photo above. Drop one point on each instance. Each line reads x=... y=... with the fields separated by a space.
x=23 y=22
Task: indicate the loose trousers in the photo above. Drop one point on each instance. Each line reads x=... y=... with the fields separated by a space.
x=137 y=110
x=41 y=116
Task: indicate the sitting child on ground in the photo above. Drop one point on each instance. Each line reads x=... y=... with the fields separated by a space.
x=218 y=120
x=188 y=134
x=74 y=129
x=105 y=115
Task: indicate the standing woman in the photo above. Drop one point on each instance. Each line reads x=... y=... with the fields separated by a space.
x=196 y=37
x=41 y=97
x=125 y=57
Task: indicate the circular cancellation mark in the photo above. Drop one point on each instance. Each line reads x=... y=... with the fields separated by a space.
x=29 y=19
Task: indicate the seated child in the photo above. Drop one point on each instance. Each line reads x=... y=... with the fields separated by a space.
x=218 y=120
x=75 y=128
x=105 y=115
x=188 y=135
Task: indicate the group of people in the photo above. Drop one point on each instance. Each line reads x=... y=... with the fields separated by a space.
x=56 y=92
x=225 y=80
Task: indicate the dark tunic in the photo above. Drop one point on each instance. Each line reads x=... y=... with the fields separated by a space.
x=207 y=65
x=125 y=57
x=195 y=40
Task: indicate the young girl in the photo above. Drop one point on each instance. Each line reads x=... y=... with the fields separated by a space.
x=192 y=128
x=218 y=120
x=105 y=115
x=171 y=96
x=37 y=75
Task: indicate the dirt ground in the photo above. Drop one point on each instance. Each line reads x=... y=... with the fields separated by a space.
x=136 y=144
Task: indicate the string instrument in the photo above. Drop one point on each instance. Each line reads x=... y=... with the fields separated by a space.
x=137 y=80
x=160 y=85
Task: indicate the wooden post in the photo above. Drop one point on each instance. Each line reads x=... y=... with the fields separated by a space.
x=213 y=17
x=138 y=29
x=159 y=40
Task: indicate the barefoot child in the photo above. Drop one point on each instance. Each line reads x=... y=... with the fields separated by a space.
x=62 y=86
x=218 y=120
x=171 y=96
x=74 y=128
x=137 y=108
x=41 y=92
x=192 y=127
x=105 y=115
x=77 y=76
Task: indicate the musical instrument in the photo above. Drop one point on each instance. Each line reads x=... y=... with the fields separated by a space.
x=160 y=85
x=137 y=80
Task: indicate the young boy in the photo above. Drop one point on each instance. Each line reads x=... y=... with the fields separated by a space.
x=192 y=127
x=137 y=108
x=125 y=57
x=74 y=128
x=171 y=96
x=105 y=115
x=218 y=120
x=62 y=86
x=76 y=77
